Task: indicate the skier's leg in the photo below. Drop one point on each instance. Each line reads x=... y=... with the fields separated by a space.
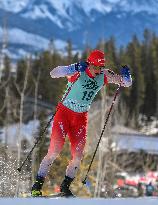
x=77 y=136
x=78 y=140
x=56 y=144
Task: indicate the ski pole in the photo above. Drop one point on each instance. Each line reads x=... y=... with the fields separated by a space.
x=41 y=135
x=102 y=132
x=44 y=130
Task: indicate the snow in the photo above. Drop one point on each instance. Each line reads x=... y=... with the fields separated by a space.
x=36 y=12
x=31 y=39
x=136 y=6
x=133 y=142
x=42 y=11
x=60 y=44
x=12 y=131
x=19 y=36
x=25 y=38
x=122 y=129
x=98 y=5
x=13 y=6
x=66 y=14
x=61 y=6
x=151 y=128
x=16 y=54
x=27 y=131
x=79 y=201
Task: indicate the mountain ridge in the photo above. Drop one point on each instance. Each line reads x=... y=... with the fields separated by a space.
x=76 y=20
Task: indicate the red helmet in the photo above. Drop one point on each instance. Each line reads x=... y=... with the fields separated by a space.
x=96 y=58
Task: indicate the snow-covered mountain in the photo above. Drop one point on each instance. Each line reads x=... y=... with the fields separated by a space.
x=32 y=23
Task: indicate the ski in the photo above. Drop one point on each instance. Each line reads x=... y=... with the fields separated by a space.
x=59 y=195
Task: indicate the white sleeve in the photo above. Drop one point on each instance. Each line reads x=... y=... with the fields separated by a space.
x=62 y=71
x=117 y=79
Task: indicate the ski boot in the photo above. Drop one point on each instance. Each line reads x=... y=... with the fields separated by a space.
x=36 y=188
x=64 y=187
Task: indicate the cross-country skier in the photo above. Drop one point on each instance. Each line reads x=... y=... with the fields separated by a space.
x=85 y=79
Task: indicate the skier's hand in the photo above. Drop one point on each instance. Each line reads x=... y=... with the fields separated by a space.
x=81 y=66
x=125 y=72
x=126 y=75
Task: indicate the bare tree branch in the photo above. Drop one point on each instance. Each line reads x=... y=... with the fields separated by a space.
x=19 y=137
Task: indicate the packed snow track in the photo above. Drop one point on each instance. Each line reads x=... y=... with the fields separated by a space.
x=79 y=201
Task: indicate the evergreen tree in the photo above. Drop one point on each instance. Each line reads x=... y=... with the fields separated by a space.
x=6 y=92
x=69 y=52
x=148 y=65
x=20 y=73
x=7 y=69
x=85 y=53
x=75 y=58
x=154 y=50
x=111 y=52
x=137 y=90
x=50 y=89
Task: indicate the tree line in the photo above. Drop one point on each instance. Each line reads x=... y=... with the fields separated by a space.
x=140 y=55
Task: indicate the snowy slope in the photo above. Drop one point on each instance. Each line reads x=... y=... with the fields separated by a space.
x=78 y=201
x=28 y=42
x=27 y=132
x=14 y=6
x=151 y=6
x=23 y=37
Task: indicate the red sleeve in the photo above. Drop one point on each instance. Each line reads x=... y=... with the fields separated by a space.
x=73 y=78
x=105 y=80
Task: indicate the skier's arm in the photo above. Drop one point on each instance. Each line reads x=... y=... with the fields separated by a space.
x=62 y=71
x=124 y=79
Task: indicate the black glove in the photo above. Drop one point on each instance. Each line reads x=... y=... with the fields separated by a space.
x=125 y=71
